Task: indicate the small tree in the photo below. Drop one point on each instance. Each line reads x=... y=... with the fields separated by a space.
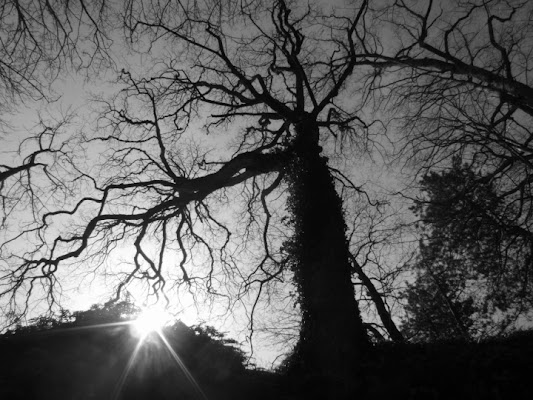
x=472 y=270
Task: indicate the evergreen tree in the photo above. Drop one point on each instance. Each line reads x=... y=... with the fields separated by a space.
x=474 y=261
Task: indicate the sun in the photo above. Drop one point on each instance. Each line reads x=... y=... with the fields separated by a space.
x=150 y=320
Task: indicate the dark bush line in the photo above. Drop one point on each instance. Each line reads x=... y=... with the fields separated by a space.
x=87 y=364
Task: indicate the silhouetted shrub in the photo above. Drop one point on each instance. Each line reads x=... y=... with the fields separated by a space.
x=70 y=360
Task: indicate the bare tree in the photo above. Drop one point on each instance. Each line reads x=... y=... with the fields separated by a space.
x=22 y=185
x=38 y=42
x=381 y=242
x=462 y=86
x=40 y=39
x=275 y=85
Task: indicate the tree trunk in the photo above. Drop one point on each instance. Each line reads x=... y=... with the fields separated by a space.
x=383 y=313
x=332 y=337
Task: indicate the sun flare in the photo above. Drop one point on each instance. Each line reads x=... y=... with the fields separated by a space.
x=150 y=320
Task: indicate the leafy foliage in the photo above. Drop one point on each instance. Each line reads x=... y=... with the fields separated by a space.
x=472 y=273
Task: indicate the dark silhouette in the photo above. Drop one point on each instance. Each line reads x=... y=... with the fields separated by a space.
x=473 y=268
x=89 y=355
x=222 y=164
x=93 y=355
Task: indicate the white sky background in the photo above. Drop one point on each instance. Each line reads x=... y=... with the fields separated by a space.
x=80 y=294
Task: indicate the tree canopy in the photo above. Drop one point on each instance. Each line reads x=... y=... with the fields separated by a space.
x=473 y=268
